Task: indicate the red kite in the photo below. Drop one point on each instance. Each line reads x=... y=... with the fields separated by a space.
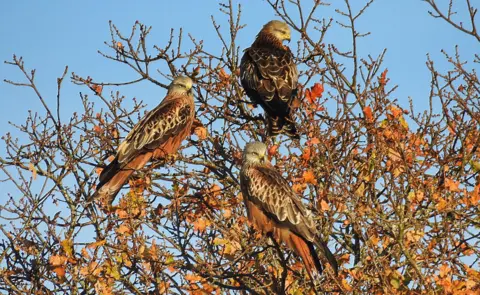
x=274 y=209
x=269 y=76
x=157 y=135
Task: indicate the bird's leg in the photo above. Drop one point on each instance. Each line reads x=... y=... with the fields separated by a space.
x=170 y=158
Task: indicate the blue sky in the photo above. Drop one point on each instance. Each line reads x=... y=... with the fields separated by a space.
x=52 y=34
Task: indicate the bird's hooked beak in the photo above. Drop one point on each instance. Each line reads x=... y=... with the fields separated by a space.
x=288 y=39
x=263 y=158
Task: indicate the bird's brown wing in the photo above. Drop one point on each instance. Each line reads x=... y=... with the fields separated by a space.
x=272 y=193
x=168 y=120
x=163 y=122
x=269 y=198
x=271 y=72
x=270 y=77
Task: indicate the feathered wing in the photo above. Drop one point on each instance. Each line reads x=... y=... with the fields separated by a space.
x=272 y=206
x=270 y=77
x=168 y=119
x=158 y=134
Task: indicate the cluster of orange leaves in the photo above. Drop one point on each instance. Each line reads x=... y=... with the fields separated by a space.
x=200 y=286
x=312 y=95
x=223 y=80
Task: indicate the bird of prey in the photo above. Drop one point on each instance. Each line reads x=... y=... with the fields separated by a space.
x=269 y=76
x=274 y=209
x=156 y=136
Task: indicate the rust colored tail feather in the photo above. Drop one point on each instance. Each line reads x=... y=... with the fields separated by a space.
x=115 y=175
x=306 y=250
x=310 y=258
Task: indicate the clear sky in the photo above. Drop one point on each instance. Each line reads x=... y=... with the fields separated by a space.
x=55 y=33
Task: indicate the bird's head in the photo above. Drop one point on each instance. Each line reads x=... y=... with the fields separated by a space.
x=181 y=85
x=278 y=29
x=255 y=153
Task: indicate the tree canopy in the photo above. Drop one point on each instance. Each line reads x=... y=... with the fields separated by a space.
x=394 y=189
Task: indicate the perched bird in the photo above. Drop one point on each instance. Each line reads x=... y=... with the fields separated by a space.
x=274 y=209
x=269 y=76
x=157 y=135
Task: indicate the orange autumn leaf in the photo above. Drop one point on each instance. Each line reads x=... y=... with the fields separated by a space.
x=315 y=92
x=451 y=185
x=201 y=224
x=313 y=141
x=324 y=205
x=163 y=287
x=85 y=253
x=96 y=244
x=58 y=264
x=383 y=78
x=201 y=132
x=441 y=204
x=227 y=213
x=444 y=270
x=414 y=235
x=123 y=230
x=367 y=111
x=307 y=153
x=309 y=177
x=32 y=168
x=193 y=278
x=207 y=288
x=59 y=271
x=346 y=286
x=475 y=195
x=396 y=112
x=308 y=96
x=299 y=188
x=215 y=190
x=223 y=75
x=97 y=89
x=97 y=129
x=122 y=214
x=57 y=260
x=273 y=150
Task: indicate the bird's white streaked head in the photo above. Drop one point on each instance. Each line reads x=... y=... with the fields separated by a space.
x=255 y=153
x=278 y=29
x=181 y=85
